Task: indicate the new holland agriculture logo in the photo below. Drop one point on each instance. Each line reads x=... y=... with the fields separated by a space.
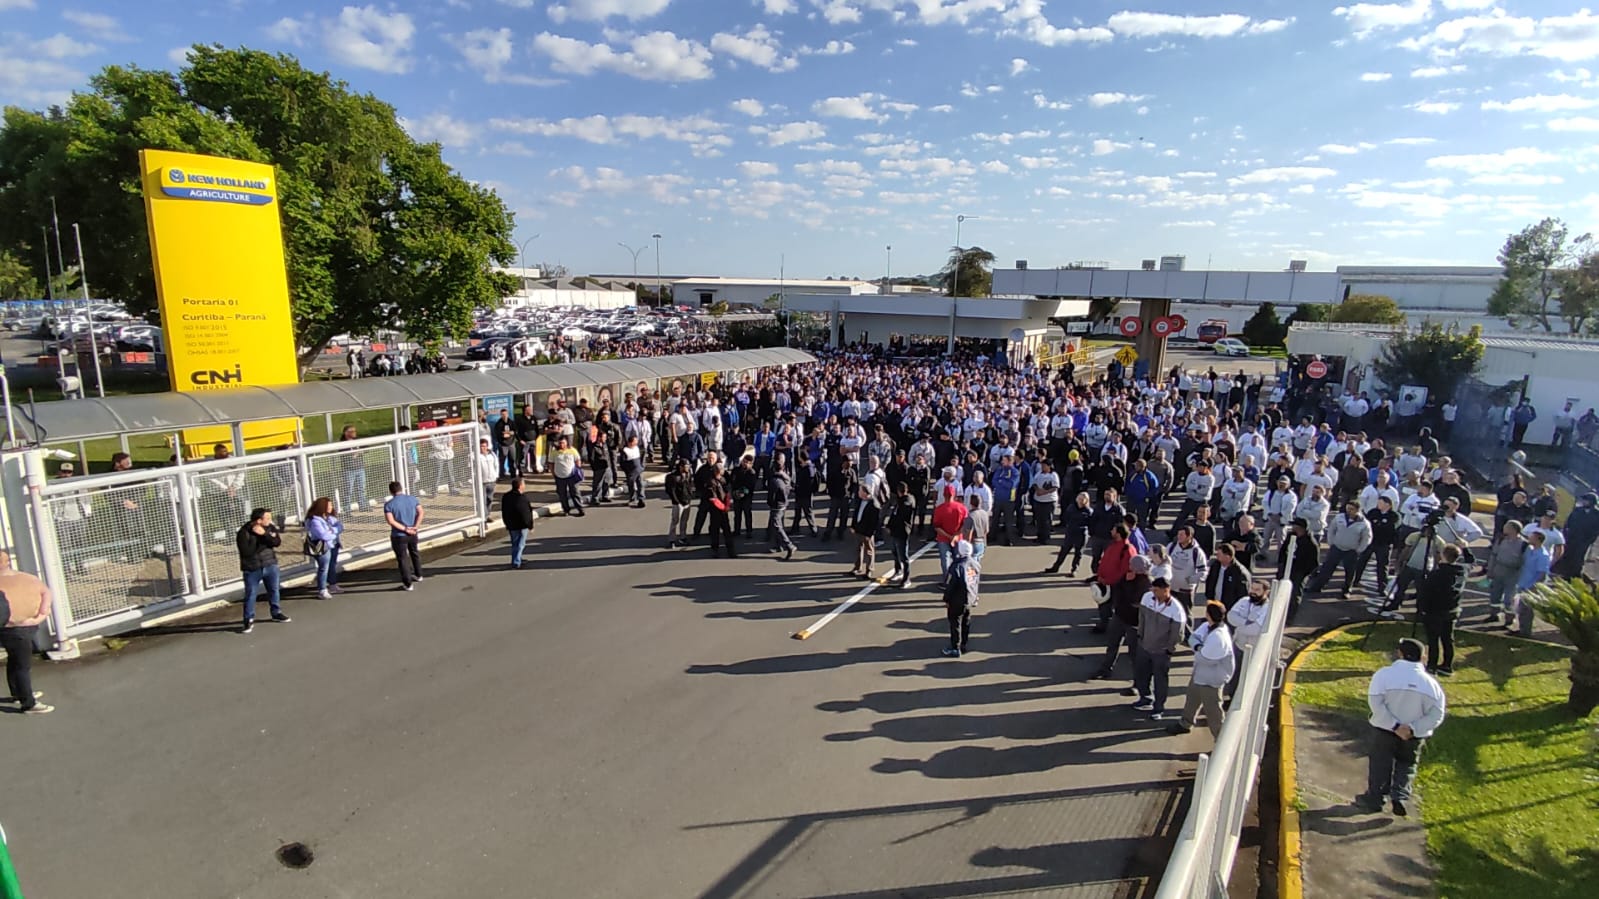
x=215 y=188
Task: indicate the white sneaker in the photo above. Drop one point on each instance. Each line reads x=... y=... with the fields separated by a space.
x=39 y=709
x=324 y=595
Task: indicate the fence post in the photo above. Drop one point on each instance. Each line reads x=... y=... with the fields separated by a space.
x=189 y=527
x=50 y=570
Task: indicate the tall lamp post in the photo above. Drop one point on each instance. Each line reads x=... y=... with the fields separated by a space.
x=955 y=281
x=88 y=311
x=523 y=255
x=888 y=270
x=635 y=255
x=658 y=298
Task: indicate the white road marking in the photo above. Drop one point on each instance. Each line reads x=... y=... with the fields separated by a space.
x=861 y=594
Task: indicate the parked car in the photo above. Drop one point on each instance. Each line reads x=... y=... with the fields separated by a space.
x=1230 y=346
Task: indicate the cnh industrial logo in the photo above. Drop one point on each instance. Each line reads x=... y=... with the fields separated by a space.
x=213 y=378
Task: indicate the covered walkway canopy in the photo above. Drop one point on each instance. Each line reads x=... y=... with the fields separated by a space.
x=89 y=419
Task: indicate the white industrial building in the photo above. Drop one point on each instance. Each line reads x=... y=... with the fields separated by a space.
x=875 y=318
x=588 y=293
x=756 y=291
x=1557 y=369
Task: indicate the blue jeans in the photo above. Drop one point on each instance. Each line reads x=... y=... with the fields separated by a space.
x=327 y=569
x=355 y=487
x=518 y=543
x=943 y=560
x=252 y=581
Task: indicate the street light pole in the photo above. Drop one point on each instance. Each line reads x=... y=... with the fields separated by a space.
x=523 y=255
x=888 y=271
x=94 y=346
x=955 y=281
x=657 y=239
x=635 y=256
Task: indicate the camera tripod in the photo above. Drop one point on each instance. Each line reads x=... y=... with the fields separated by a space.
x=1389 y=609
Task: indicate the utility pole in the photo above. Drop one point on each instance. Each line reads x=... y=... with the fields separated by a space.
x=94 y=346
x=49 y=280
x=658 y=297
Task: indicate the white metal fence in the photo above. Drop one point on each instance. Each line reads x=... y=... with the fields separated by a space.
x=1202 y=860
x=119 y=548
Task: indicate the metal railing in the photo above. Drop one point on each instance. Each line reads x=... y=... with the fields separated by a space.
x=1202 y=860
x=120 y=548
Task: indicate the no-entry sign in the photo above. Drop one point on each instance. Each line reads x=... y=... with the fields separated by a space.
x=1316 y=369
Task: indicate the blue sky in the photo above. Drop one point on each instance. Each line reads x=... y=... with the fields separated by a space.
x=1243 y=132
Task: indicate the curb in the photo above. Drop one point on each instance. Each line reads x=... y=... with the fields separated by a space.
x=1290 y=870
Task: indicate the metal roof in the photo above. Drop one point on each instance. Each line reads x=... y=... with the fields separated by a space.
x=89 y=419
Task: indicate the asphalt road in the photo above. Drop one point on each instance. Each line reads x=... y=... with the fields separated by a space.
x=617 y=720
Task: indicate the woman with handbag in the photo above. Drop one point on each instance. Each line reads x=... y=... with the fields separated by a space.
x=323 y=531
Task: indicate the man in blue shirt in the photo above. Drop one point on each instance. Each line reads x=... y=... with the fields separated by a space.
x=404 y=514
x=1004 y=482
x=1535 y=563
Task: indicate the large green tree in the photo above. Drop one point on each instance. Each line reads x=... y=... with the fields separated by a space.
x=1367 y=308
x=379 y=232
x=1435 y=357
x=1264 y=329
x=17 y=281
x=1534 y=260
x=967 y=274
x=1579 y=292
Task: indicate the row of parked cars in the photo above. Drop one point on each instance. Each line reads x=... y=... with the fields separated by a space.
x=110 y=324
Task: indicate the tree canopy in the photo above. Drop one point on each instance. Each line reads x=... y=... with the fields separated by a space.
x=1264 y=329
x=378 y=231
x=967 y=273
x=1435 y=357
x=1367 y=308
x=1538 y=264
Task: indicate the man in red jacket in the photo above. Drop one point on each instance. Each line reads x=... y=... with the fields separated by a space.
x=948 y=517
x=1114 y=564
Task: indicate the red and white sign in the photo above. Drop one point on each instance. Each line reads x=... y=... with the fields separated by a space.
x=1131 y=326
x=1162 y=326
x=1178 y=323
x=1316 y=369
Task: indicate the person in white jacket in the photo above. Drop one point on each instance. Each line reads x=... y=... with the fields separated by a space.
x=1278 y=509
x=1314 y=509
x=1407 y=706
x=488 y=468
x=1214 y=665
x=1374 y=492
x=1248 y=620
x=1237 y=495
x=1188 y=566
x=1348 y=535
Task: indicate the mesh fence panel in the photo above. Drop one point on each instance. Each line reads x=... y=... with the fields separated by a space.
x=223 y=500
x=439 y=470
x=120 y=547
x=357 y=480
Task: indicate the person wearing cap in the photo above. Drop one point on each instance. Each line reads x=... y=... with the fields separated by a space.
x=24 y=605
x=961 y=585
x=1535 y=566
x=1553 y=540
x=1582 y=529
x=948 y=517
x=258 y=541
x=1407 y=707
x=1214 y=664
x=1162 y=623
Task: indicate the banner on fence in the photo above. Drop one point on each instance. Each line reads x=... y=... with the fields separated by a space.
x=216 y=241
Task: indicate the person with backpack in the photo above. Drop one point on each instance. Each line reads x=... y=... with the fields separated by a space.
x=960 y=596
x=1214 y=664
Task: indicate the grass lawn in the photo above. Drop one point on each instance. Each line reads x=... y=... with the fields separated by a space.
x=1509 y=786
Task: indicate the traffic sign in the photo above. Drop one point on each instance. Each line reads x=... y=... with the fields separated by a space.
x=1162 y=326
x=1178 y=323
x=1127 y=355
x=1131 y=326
x=1316 y=370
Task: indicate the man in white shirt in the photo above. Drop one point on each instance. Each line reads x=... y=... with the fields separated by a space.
x=1303 y=435
x=1374 y=492
x=1553 y=540
x=980 y=492
x=1407 y=706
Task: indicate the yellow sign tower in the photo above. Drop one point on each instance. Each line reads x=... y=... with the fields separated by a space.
x=217 y=242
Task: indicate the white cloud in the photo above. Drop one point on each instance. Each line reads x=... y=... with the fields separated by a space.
x=1364 y=18
x=1154 y=24
x=777 y=7
x=487 y=52
x=831 y=48
x=1412 y=205
x=1344 y=149
x=442 y=128
x=1569 y=38
x=1193 y=223
x=1375 y=76
x=1485 y=163
x=758 y=46
x=1516 y=179
x=1026 y=20
x=1103 y=147
x=1019 y=65
x=656 y=56
x=858 y=107
x=1281 y=174
x=1302 y=189
x=748 y=106
x=1436 y=71
x=1269 y=26
x=698 y=132
x=995 y=167
x=600 y=10
x=932 y=167
x=62 y=47
x=1425 y=184
x=363 y=37
x=1042 y=102
x=16 y=4
x=1575 y=123
x=758 y=169
x=906 y=42
x=791 y=133
x=178 y=56
x=99 y=25
x=1543 y=103
x=1411 y=141
x=1111 y=98
x=1434 y=107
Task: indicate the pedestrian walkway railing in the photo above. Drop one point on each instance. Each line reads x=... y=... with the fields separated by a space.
x=1202 y=860
x=121 y=548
